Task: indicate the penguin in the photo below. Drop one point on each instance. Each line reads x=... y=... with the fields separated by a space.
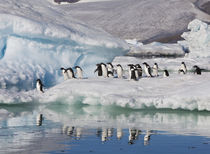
x=39 y=85
x=119 y=71
x=79 y=72
x=138 y=67
x=165 y=73
x=183 y=69
x=110 y=68
x=155 y=69
x=147 y=70
x=196 y=70
x=129 y=70
x=104 y=70
x=133 y=73
x=99 y=69
x=70 y=73
x=65 y=74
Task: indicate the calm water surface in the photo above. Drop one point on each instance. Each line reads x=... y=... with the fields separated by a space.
x=85 y=129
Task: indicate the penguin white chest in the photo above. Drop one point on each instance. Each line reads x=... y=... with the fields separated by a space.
x=104 y=71
x=38 y=86
x=119 y=72
x=79 y=73
x=65 y=75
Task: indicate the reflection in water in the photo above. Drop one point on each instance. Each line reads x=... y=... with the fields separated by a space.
x=119 y=133
x=39 y=120
x=147 y=137
x=105 y=123
x=133 y=135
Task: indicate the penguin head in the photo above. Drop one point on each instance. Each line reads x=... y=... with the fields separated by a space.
x=195 y=67
x=155 y=64
x=103 y=64
x=118 y=65
x=183 y=64
x=110 y=64
x=77 y=67
x=145 y=64
x=137 y=66
x=62 y=68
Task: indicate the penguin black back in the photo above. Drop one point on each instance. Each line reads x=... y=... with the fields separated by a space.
x=197 y=70
x=39 y=85
x=99 y=69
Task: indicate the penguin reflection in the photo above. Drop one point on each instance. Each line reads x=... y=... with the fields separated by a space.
x=147 y=137
x=133 y=135
x=119 y=133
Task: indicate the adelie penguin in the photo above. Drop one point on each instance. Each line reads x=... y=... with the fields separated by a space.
x=110 y=68
x=147 y=70
x=139 y=70
x=98 y=69
x=155 y=70
x=196 y=70
x=39 y=86
x=129 y=70
x=183 y=69
x=79 y=72
x=65 y=74
x=119 y=71
x=133 y=71
x=165 y=73
x=104 y=70
x=70 y=73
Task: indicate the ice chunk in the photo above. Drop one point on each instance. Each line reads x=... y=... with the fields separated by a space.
x=197 y=40
x=157 y=49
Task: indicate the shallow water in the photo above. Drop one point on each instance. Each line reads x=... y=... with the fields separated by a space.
x=81 y=128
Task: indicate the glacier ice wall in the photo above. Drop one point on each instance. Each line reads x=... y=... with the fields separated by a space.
x=197 y=40
x=31 y=49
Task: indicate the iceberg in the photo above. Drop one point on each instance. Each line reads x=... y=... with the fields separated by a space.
x=197 y=40
x=31 y=49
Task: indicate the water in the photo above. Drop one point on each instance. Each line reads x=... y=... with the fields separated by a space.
x=84 y=129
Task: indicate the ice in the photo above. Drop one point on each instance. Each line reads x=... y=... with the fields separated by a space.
x=31 y=49
x=156 y=49
x=197 y=40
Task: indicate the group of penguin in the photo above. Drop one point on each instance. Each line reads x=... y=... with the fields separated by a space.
x=135 y=71
x=107 y=70
x=68 y=73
